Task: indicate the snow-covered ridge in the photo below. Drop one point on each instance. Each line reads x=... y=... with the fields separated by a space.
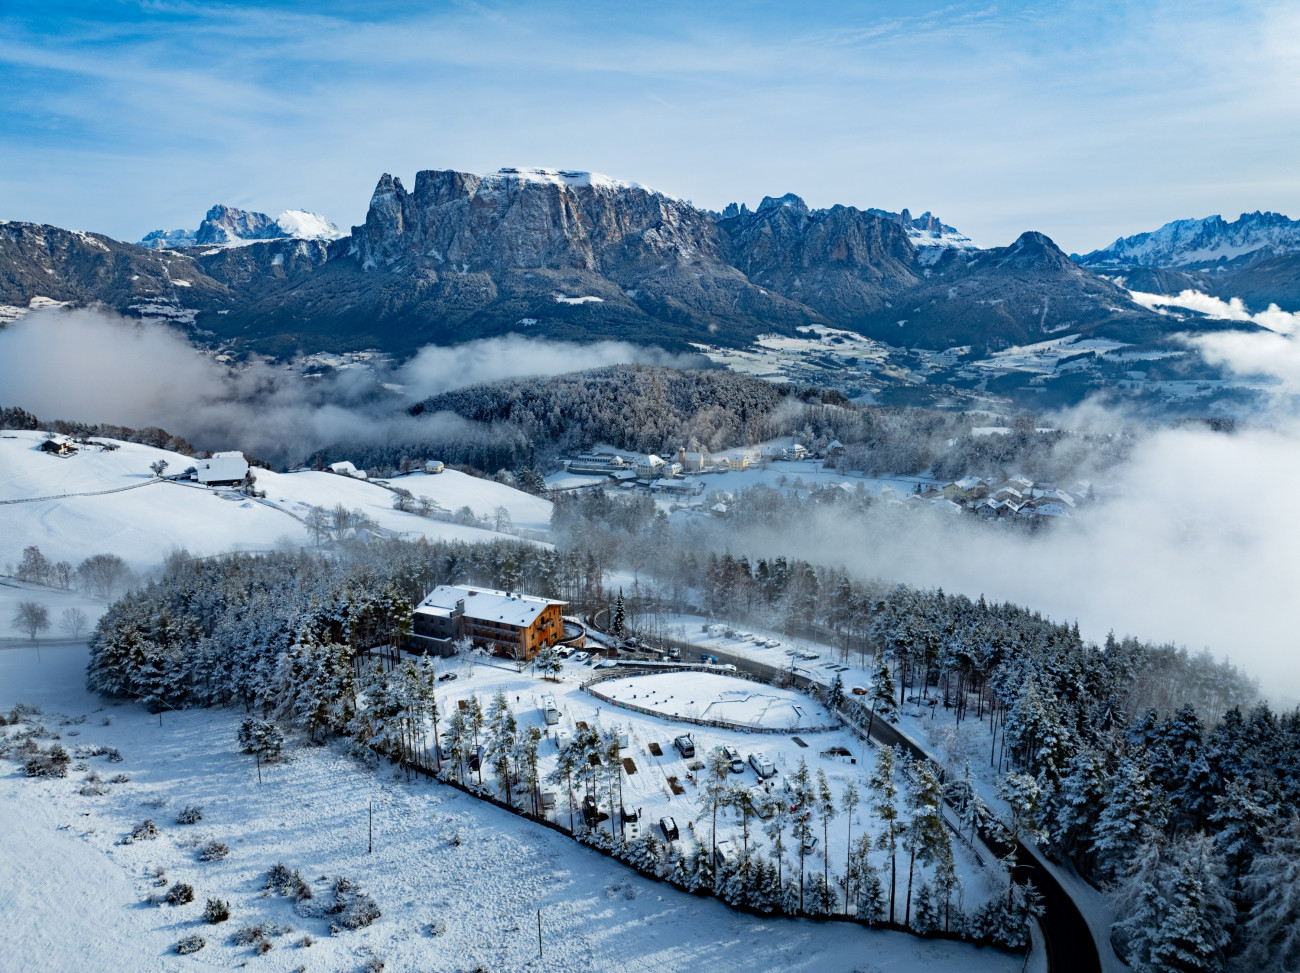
x=569 y=178
x=1203 y=243
x=226 y=226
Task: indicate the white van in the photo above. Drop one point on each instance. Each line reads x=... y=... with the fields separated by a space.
x=551 y=710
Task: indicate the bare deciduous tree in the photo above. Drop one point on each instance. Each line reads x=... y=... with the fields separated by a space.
x=74 y=622
x=32 y=617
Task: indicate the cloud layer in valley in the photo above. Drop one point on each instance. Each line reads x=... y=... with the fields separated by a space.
x=1274 y=318
x=142 y=374
x=1193 y=541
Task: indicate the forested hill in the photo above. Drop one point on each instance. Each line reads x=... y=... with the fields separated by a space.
x=634 y=407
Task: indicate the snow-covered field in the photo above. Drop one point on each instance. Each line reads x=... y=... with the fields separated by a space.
x=710 y=696
x=145 y=518
x=73 y=898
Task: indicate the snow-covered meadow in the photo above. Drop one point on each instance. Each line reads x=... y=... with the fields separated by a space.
x=143 y=518
x=459 y=882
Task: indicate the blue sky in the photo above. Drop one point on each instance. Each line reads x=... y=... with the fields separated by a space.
x=1082 y=120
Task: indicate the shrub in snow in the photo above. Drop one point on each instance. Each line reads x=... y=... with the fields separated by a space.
x=373 y=965
x=91 y=789
x=352 y=907
x=249 y=936
x=190 y=944
x=213 y=851
x=114 y=755
x=146 y=830
x=190 y=814
x=217 y=910
x=119 y=779
x=437 y=928
x=47 y=763
x=305 y=942
x=180 y=893
x=289 y=884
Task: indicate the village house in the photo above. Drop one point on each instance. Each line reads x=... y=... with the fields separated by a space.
x=650 y=468
x=222 y=469
x=794 y=453
x=511 y=623
x=347 y=469
x=59 y=446
x=434 y=466
x=691 y=462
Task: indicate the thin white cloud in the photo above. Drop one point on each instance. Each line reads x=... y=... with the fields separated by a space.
x=998 y=120
x=1234 y=309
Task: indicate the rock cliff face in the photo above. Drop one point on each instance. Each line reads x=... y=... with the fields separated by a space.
x=576 y=256
x=842 y=262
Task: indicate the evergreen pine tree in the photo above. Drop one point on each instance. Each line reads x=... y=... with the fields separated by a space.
x=1272 y=931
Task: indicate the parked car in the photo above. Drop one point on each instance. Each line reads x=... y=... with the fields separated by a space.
x=580 y=657
x=732 y=754
x=762 y=766
x=685 y=745
x=669 y=827
x=858 y=691
x=810 y=845
x=548 y=800
x=446 y=676
x=727 y=853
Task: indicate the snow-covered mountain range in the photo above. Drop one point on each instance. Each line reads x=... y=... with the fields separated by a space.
x=226 y=226
x=1211 y=243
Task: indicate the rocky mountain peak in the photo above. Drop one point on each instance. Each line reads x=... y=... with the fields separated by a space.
x=789 y=201
x=1211 y=243
x=525 y=218
x=230 y=226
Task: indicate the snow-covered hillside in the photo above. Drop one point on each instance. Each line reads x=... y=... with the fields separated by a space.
x=1203 y=243
x=101 y=501
x=459 y=883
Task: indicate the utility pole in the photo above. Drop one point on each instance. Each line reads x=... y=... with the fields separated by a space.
x=371 y=849
x=539 y=933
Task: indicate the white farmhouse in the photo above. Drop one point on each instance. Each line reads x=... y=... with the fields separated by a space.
x=222 y=468
x=347 y=469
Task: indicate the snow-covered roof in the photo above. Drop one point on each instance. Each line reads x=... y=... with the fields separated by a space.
x=222 y=468
x=487 y=604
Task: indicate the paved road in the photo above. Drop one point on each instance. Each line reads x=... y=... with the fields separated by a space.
x=1069 y=943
